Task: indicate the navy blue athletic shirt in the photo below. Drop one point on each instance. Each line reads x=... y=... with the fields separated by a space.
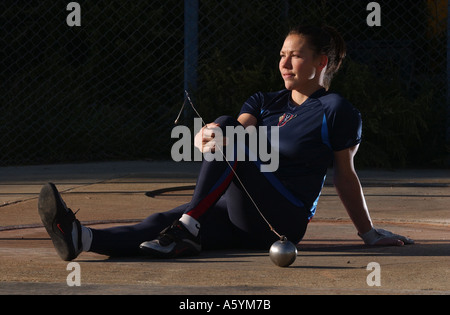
x=309 y=134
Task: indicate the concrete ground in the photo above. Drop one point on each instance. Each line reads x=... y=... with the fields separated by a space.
x=331 y=258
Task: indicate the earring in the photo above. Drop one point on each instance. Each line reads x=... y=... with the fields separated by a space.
x=313 y=75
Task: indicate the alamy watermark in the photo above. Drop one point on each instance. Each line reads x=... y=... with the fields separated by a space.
x=74 y=17
x=374 y=17
x=258 y=147
x=74 y=277
x=374 y=277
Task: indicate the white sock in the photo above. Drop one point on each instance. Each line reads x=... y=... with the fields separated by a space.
x=86 y=238
x=191 y=224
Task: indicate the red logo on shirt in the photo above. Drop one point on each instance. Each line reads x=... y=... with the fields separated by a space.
x=285 y=118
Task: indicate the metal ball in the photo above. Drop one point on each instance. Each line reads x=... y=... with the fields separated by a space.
x=283 y=253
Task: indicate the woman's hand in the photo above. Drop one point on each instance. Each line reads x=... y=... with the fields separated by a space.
x=380 y=237
x=207 y=138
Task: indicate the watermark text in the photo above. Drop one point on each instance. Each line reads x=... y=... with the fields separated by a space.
x=231 y=147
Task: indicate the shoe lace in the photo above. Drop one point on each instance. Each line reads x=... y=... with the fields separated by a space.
x=72 y=214
x=170 y=234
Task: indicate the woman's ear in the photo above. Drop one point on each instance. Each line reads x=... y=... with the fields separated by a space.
x=323 y=62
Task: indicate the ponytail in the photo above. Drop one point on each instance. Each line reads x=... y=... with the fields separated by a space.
x=336 y=54
x=324 y=40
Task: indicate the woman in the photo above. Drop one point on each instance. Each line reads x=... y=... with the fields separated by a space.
x=316 y=129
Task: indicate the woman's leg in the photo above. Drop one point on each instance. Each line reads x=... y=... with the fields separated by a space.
x=231 y=222
x=217 y=233
x=125 y=240
x=213 y=180
x=284 y=211
x=286 y=218
x=215 y=177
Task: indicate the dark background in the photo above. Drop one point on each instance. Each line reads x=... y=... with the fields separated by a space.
x=111 y=88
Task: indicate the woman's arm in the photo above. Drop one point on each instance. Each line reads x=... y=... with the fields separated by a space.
x=350 y=192
x=247 y=120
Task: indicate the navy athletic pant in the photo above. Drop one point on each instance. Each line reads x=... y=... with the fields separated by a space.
x=228 y=217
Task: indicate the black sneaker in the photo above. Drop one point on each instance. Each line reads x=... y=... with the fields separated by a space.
x=60 y=222
x=174 y=241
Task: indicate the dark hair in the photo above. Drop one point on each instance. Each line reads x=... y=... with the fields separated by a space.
x=324 y=40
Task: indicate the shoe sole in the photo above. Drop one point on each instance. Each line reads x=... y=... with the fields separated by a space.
x=182 y=249
x=49 y=207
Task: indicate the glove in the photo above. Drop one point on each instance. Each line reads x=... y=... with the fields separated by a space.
x=374 y=236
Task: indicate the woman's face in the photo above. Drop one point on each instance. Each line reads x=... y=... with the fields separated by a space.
x=299 y=66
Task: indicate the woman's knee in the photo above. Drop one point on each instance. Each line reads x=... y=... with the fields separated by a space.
x=225 y=121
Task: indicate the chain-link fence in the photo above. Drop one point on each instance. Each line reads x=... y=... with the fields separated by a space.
x=111 y=88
